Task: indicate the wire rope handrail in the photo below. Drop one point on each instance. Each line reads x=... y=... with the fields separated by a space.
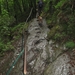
x=22 y=51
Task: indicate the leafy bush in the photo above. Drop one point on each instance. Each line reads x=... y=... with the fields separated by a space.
x=71 y=26
x=59 y=36
x=5 y=31
x=53 y=31
x=70 y=44
x=60 y=4
x=5 y=46
x=18 y=29
x=5 y=21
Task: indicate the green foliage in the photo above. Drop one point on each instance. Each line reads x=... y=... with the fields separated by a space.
x=71 y=26
x=12 y=12
x=4 y=18
x=8 y=30
x=59 y=36
x=19 y=28
x=17 y=31
x=63 y=15
x=60 y=3
x=5 y=46
x=70 y=44
x=48 y=21
x=52 y=32
x=46 y=8
x=5 y=21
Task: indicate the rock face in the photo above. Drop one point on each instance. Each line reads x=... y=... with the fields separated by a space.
x=43 y=57
x=59 y=67
x=46 y=58
x=36 y=44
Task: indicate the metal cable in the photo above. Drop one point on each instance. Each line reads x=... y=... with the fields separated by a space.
x=22 y=49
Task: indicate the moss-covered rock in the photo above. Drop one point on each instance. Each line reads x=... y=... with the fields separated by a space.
x=52 y=32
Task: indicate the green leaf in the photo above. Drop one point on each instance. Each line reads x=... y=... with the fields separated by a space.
x=70 y=44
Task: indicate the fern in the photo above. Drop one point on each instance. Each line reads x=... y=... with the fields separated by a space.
x=60 y=4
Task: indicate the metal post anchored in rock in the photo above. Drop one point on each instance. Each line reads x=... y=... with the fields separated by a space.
x=25 y=67
x=25 y=57
x=25 y=61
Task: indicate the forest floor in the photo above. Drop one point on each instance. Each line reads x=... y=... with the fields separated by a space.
x=8 y=57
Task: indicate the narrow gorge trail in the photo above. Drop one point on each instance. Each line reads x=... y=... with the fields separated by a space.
x=43 y=57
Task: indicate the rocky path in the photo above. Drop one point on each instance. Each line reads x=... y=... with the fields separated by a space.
x=43 y=57
x=36 y=44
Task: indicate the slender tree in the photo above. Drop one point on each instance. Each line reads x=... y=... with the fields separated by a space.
x=0 y=8
x=7 y=6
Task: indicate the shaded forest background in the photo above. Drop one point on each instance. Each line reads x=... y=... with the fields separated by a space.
x=13 y=14
x=59 y=14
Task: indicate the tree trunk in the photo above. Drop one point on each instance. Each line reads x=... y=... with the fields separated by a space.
x=7 y=5
x=23 y=5
x=0 y=8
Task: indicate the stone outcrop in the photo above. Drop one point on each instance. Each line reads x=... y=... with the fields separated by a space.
x=44 y=57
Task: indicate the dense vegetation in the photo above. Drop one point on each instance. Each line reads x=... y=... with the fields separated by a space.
x=13 y=14
x=60 y=18
x=60 y=15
